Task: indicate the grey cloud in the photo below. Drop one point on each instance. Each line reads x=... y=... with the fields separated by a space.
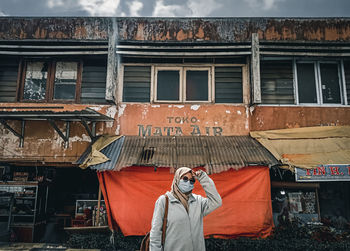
x=218 y=8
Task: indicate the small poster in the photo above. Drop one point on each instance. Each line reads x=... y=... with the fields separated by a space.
x=295 y=205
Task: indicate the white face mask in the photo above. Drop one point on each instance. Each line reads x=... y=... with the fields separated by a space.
x=185 y=186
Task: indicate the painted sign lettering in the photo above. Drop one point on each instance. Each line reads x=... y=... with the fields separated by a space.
x=178 y=128
x=323 y=173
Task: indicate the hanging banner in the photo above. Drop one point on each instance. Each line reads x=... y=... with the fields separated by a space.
x=323 y=173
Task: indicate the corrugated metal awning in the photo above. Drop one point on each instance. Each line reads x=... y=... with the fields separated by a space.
x=216 y=154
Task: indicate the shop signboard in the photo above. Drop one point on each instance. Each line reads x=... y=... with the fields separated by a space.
x=323 y=173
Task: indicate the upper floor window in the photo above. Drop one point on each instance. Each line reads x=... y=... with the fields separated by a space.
x=51 y=81
x=183 y=84
x=319 y=82
x=302 y=82
x=54 y=80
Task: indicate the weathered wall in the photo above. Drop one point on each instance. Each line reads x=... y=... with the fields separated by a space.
x=168 y=120
x=223 y=30
x=79 y=28
x=217 y=30
x=275 y=117
x=43 y=144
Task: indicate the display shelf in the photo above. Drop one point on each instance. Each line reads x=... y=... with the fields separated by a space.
x=31 y=199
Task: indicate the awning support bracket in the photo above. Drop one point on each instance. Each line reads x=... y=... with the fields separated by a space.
x=64 y=137
x=92 y=132
x=19 y=135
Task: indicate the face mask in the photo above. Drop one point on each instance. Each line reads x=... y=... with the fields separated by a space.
x=185 y=187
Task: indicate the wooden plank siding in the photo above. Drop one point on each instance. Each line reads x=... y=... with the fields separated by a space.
x=93 y=85
x=137 y=83
x=277 y=82
x=8 y=79
x=228 y=84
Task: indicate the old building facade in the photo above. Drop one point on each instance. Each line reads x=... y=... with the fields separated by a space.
x=63 y=81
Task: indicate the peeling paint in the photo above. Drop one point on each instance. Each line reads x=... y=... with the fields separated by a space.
x=227 y=111
x=195 y=107
x=83 y=137
x=246 y=126
x=239 y=112
x=111 y=111
x=121 y=109
x=179 y=106
x=154 y=106
x=96 y=108
x=117 y=130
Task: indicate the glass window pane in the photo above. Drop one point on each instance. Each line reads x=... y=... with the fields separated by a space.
x=196 y=85
x=306 y=83
x=168 y=85
x=35 y=81
x=65 y=80
x=330 y=83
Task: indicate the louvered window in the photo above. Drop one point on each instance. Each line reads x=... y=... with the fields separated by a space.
x=137 y=84
x=277 y=82
x=228 y=84
x=8 y=79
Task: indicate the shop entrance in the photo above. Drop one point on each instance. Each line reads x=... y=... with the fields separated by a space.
x=46 y=200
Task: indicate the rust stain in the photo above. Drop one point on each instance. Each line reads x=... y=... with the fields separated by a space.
x=288 y=34
x=139 y=33
x=331 y=34
x=166 y=119
x=22 y=35
x=313 y=35
x=272 y=34
x=270 y=118
x=200 y=33
x=181 y=35
x=80 y=32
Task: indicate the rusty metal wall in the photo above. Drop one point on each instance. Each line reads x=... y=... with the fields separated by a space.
x=275 y=117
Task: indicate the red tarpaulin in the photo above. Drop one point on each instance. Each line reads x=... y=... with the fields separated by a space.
x=130 y=196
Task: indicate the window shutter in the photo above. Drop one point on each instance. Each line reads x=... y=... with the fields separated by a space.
x=277 y=82
x=137 y=84
x=8 y=79
x=228 y=84
x=93 y=86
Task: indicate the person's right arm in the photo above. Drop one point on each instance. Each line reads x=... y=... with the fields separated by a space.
x=157 y=224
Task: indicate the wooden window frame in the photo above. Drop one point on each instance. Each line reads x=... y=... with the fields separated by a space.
x=50 y=82
x=245 y=81
x=182 y=71
x=165 y=68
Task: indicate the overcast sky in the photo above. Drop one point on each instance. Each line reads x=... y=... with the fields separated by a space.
x=177 y=8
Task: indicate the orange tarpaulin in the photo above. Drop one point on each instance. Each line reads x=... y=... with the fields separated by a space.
x=131 y=193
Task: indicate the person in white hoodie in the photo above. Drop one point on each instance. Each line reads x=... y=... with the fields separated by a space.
x=186 y=210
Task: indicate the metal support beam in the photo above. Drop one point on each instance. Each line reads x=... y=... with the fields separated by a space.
x=255 y=69
x=93 y=129
x=92 y=132
x=19 y=135
x=111 y=78
x=66 y=144
x=64 y=137
x=21 y=141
